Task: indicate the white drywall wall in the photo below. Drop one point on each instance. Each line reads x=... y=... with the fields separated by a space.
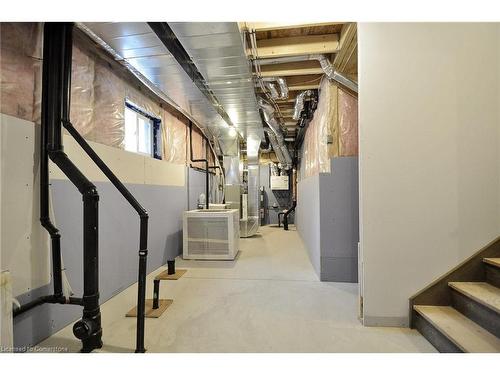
x=429 y=159
x=129 y=167
x=24 y=244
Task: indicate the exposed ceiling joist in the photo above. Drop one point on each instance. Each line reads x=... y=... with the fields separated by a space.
x=266 y=26
x=307 y=82
x=348 y=44
x=296 y=46
x=291 y=69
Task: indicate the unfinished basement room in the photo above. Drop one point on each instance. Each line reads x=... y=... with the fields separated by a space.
x=323 y=186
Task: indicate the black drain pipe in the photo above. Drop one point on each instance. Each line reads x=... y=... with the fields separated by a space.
x=200 y=160
x=143 y=232
x=287 y=212
x=56 y=93
x=58 y=44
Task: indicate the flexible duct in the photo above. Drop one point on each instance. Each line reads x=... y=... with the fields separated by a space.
x=268 y=149
x=326 y=65
x=299 y=103
x=274 y=143
x=272 y=90
x=276 y=137
x=281 y=83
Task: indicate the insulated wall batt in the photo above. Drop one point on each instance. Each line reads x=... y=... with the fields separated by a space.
x=348 y=124
x=98 y=93
x=333 y=131
x=19 y=57
x=109 y=107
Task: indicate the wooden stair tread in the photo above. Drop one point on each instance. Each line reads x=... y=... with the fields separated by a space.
x=493 y=261
x=481 y=292
x=463 y=332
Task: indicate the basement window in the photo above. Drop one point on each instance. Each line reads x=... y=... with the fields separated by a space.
x=142 y=132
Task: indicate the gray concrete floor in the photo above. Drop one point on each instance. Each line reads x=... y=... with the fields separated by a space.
x=268 y=300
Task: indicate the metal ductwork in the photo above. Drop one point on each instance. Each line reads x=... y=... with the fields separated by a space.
x=299 y=103
x=274 y=144
x=276 y=136
x=271 y=87
x=334 y=75
x=269 y=147
x=326 y=65
x=283 y=94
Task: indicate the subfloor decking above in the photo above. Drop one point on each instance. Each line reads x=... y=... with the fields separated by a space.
x=268 y=300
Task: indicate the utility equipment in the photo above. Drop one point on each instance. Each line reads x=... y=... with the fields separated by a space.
x=211 y=234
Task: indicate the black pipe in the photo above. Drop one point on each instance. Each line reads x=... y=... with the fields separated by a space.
x=143 y=234
x=56 y=96
x=141 y=288
x=171 y=267
x=200 y=160
x=287 y=212
x=105 y=169
x=56 y=83
x=156 y=294
x=44 y=190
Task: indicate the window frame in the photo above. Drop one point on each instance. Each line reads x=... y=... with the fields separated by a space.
x=155 y=130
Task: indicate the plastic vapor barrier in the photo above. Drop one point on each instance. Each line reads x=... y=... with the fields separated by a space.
x=348 y=124
x=98 y=94
x=20 y=54
x=333 y=131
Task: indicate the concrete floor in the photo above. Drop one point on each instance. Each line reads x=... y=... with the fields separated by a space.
x=268 y=300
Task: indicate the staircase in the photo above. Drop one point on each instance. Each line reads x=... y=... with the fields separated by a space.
x=470 y=322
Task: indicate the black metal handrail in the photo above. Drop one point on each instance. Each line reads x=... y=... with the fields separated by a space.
x=143 y=239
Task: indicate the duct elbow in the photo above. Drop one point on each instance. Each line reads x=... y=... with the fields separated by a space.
x=334 y=75
x=283 y=88
x=299 y=103
x=283 y=93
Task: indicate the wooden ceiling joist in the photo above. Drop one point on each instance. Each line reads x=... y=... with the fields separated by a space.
x=300 y=83
x=348 y=44
x=296 y=46
x=267 y=26
x=291 y=69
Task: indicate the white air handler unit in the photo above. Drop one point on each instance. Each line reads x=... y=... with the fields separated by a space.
x=211 y=234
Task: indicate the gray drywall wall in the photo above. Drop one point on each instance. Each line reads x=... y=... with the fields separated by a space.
x=327 y=220
x=308 y=218
x=339 y=211
x=280 y=197
x=118 y=248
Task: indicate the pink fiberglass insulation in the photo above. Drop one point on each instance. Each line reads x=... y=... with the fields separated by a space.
x=109 y=107
x=98 y=94
x=348 y=124
x=20 y=53
x=174 y=140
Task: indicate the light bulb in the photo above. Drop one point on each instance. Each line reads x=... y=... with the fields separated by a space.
x=232 y=132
